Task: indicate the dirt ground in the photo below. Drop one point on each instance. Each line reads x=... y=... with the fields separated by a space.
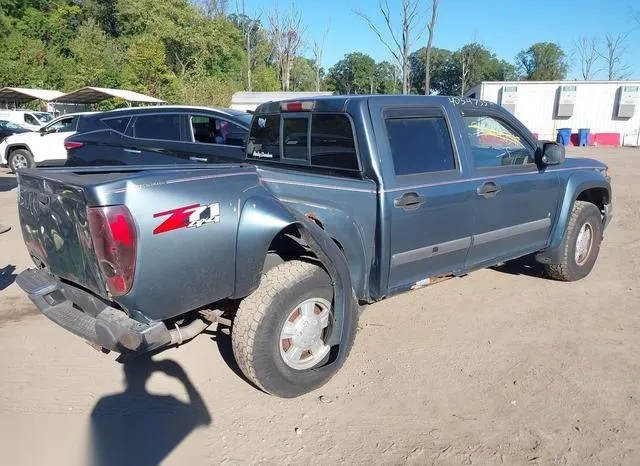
x=499 y=367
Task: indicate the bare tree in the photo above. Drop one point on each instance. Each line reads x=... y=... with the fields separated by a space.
x=401 y=40
x=464 y=73
x=248 y=27
x=431 y=26
x=587 y=49
x=318 y=51
x=287 y=32
x=212 y=8
x=613 y=53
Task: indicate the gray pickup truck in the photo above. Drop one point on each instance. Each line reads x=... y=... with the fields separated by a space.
x=341 y=201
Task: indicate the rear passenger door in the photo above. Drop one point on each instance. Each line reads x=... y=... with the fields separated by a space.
x=158 y=138
x=427 y=196
x=213 y=139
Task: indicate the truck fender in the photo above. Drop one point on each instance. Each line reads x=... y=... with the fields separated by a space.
x=576 y=184
x=261 y=220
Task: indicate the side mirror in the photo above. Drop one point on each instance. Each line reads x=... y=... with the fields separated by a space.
x=552 y=153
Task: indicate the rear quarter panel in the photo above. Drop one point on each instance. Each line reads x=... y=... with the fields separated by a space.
x=181 y=269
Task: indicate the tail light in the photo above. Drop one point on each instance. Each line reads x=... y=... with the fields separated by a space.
x=114 y=239
x=68 y=145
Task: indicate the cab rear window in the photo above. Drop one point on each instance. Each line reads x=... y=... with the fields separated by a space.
x=322 y=140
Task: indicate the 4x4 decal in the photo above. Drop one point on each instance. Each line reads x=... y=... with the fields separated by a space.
x=194 y=215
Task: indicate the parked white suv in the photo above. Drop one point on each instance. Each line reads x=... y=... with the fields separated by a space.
x=45 y=147
x=28 y=118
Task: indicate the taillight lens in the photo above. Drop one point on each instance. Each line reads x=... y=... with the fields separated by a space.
x=114 y=239
x=68 y=145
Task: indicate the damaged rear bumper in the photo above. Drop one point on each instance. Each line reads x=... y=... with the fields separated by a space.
x=89 y=317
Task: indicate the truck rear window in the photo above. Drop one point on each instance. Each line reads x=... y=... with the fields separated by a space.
x=327 y=142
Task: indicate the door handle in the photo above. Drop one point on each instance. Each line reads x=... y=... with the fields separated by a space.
x=198 y=159
x=408 y=201
x=488 y=189
x=132 y=151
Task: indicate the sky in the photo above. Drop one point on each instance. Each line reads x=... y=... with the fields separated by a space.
x=504 y=26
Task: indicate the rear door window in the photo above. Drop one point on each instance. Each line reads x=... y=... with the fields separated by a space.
x=332 y=142
x=117 y=124
x=420 y=145
x=164 y=127
x=295 y=138
x=264 y=140
x=210 y=130
x=328 y=142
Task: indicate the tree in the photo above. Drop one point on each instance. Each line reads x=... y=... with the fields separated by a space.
x=250 y=28
x=401 y=40
x=469 y=66
x=354 y=74
x=387 y=77
x=544 y=61
x=438 y=64
x=613 y=53
x=98 y=59
x=587 y=49
x=431 y=26
x=287 y=33
x=318 y=51
x=303 y=74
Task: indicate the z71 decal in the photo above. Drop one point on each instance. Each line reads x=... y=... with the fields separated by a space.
x=194 y=215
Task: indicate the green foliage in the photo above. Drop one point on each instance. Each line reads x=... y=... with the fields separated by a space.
x=439 y=67
x=544 y=61
x=354 y=74
x=191 y=51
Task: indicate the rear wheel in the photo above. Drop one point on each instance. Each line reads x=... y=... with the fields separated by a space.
x=20 y=158
x=280 y=331
x=581 y=243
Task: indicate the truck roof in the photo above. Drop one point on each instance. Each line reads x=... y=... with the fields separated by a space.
x=341 y=102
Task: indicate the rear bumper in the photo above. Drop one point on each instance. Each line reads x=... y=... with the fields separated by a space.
x=89 y=317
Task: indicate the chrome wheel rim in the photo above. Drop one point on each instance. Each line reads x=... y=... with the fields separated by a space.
x=303 y=335
x=19 y=161
x=583 y=243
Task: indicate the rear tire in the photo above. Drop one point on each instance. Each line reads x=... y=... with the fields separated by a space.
x=20 y=158
x=581 y=243
x=262 y=320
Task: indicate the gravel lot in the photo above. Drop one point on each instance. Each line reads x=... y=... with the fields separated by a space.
x=499 y=367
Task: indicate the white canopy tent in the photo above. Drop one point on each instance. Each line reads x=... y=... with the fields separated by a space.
x=92 y=95
x=18 y=96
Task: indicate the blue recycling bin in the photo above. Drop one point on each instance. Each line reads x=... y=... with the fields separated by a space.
x=564 y=136
x=583 y=136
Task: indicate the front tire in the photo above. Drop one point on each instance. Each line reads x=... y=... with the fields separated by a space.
x=581 y=243
x=20 y=158
x=280 y=331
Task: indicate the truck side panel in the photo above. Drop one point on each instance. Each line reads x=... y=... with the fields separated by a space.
x=345 y=208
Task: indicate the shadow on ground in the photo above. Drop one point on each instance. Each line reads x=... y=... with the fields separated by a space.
x=7 y=184
x=524 y=266
x=141 y=428
x=7 y=276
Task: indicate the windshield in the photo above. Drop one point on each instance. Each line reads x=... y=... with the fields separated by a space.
x=43 y=116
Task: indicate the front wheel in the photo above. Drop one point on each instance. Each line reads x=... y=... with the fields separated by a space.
x=280 y=332
x=581 y=243
x=20 y=158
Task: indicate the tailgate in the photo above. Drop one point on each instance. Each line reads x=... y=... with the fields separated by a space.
x=53 y=217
